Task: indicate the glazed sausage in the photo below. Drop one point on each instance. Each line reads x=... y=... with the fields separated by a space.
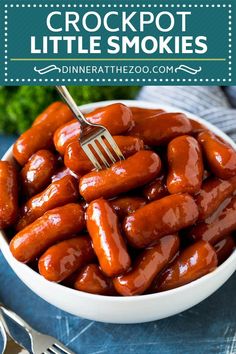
x=149 y=264
x=156 y=189
x=124 y=206
x=40 y=135
x=213 y=192
x=44 y=116
x=214 y=231
x=123 y=176
x=54 y=226
x=194 y=262
x=220 y=156
x=117 y=118
x=76 y=159
x=92 y=280
x=159 y=218
x=196 y=127
x=64 y=258
x=108 y=243
x=66 y=134
x=185 y=165
x=61 y=173
x=162 y=128
x=56 y=194
x=224 y=248
x=140 y=114
x=37 y=172
x=8 y=194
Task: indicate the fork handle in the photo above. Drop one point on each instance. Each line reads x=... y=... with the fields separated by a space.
x=72 y=105
x=15 y=318
x=4 y=326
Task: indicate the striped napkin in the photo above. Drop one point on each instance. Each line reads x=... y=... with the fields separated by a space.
x=209 y=102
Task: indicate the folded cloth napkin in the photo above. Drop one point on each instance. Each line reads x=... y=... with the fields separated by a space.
x=209 y=102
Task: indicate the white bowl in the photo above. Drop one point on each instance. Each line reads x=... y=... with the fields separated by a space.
x=134 y=309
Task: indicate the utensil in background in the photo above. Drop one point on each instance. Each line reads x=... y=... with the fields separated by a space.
x=93 y=137
x=10 y=346
x=40 y=343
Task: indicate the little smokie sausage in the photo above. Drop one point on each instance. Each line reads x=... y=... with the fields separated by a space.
x=185 y=165
x=220 y=156
x=37 y=172
x=54 y=226
x=40 y=136
x=8 y=194
x=140 y=114
x=149 y=264
x=108 y=243
x=213 y=192
x=52 y=108
x=91 y=280
x=123 y=176
x=124 y=206
x=194 y=262
x=196 y=127
x=64 y=258
x=224 y=248
x=214 y=231
x=156 y=189
x=161 y=128
x=159 y=218
x=117 y=118
x=62 y=172
x=56 y=194
x=76 y=159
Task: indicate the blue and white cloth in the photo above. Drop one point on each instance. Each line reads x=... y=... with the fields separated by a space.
x=209 y=102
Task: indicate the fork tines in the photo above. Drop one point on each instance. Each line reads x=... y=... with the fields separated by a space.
x=58 y=348
x=99 y=153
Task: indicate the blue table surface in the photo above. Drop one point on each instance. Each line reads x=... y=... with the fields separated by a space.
x=207 y=328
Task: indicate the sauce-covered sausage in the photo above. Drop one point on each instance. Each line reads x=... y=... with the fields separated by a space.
x=185 y=165
x=194 y=262
x=149 y=264
x=161 y=128
x=8 y=194
x=123 y=176
x=214 y=231
x=196 y=127
x=44 y=116
x=37 y=172
x=224 y=248
x=108 y=243
x=76 y=159
x=40 y=135
x=140 y=114
x=221 y=157
x=213 y=192
x=159 y=218
x=64 y=258
x=54 y=226
x=62 y=172
x=117 y=118
x=56 y=194
x=92 y=280
x=156 y=189
x=124 y=206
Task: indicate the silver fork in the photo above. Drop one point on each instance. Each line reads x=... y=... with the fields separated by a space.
x=40 y=343
x=93 y=137
x=10 y=346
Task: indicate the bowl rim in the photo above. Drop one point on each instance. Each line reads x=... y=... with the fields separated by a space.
x=4 y=245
